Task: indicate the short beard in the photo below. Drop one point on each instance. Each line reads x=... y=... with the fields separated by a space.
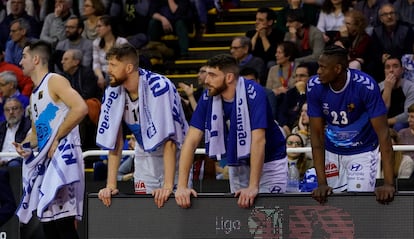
x=218 y=90
x=113 y=82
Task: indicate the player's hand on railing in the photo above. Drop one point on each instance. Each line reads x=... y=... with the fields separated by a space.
x=105 y=195
x=182 y=196
x=385 y=193
x=161 y=196
x=246 y=197
x=321 y=193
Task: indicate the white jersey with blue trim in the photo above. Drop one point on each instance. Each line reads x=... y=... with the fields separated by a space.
x=347 y=112
x=47 y=114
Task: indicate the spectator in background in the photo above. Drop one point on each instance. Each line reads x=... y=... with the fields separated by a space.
x=353 y=37
x=307 y=38
x=19 y=30
x=291 y=106
x=74 y=40
x=17 y=10
x=24 y=83
x=310 y=12
x=281 y=76
x=84 y=81
x=301 y=127
x=203 y=8
x=53 y=29
x=404 y=164
x=14 y=129
x=397 y=93
x=132 y=17
x=265 y=37
x=331 y=18
x=49 y=6
x=302 y=162
x=7 y=201
x=391 y=37
x=92 y=10
x=405 y=9
x=108 y=37
x=240 y=49
x=369 y=9
x=170 y=17
x=406 y=135
x=194 y=96
x=8 y=88
x=250 y=73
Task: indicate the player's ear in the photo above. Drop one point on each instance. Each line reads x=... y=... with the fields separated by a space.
x=130 y=68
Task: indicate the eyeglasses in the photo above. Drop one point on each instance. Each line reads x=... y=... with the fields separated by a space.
x=301 y=75
x=387 y=14
x=11 y=109
x=235 y=47
x=296 y=143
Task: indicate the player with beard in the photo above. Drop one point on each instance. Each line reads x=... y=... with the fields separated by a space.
x=155 y=167
x=236 y=119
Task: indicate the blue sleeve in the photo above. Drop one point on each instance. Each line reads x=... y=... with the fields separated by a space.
x=199 y=115
x=313 y=96
x=258 y=106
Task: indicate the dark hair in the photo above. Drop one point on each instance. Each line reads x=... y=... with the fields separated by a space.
x=394 y=57
x=99 y=7
x=108 y=21
x=410 y=108
x=328 y=7
x=249 y=71
x=225 y=62
x=312 y=67
x=80 y=22
x=340 y=53
x=42 y=48
x=296 y=15
x=271 y=15
x=124 y=51
x=289 y=49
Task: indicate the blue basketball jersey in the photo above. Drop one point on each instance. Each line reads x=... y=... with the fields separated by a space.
x=347 y=112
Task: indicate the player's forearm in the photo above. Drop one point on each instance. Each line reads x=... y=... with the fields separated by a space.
x=169 y=164
x=257 y=155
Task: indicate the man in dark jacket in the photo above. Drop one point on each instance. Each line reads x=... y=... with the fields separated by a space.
x=14 y=129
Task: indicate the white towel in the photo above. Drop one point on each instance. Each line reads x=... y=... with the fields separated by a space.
x=240 y=128
x=110 y=117
x=160 y=111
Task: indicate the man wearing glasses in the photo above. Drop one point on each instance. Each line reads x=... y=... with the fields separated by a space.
x=13 y=129
x=391 y=37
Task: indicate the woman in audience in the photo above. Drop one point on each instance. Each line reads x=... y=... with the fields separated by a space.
x=354 y=38
x=331 y=18
x=280 y=78
x=301 y=127
x=107 y=38
x=302 y=162
x=92 y=10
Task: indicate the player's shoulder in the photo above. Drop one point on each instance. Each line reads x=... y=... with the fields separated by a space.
x=313 y=82
x=362 y=79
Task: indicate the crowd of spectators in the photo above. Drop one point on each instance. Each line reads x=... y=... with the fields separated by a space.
x=281 y=52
